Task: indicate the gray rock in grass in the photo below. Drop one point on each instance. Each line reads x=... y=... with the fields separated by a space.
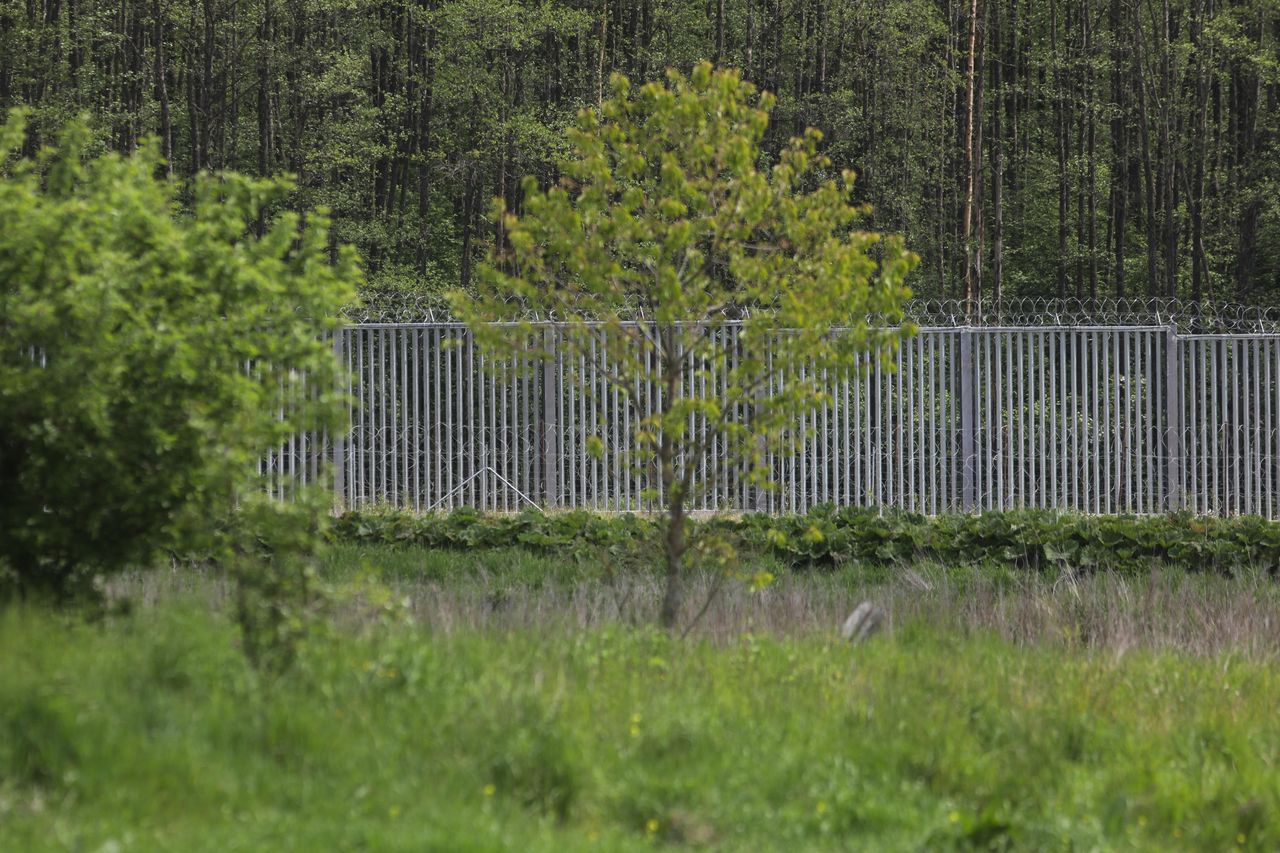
x=865 y=620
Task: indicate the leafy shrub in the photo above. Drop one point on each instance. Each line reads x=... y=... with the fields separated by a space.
x=144 y=357
x=826 y=537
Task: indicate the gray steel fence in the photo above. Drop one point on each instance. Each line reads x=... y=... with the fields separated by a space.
x=1096 y=419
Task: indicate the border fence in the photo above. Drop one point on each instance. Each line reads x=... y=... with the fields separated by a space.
x=1092 y=418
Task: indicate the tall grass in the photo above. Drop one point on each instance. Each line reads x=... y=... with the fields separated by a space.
x=150 y=732
x=511 y=589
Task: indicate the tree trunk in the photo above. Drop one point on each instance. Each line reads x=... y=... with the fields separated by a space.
x=1149 y=187
x=1120 y=155
x=674 y=544
x=1061 y=135
x=997 y=171
x=162 y=89
x=969 y=303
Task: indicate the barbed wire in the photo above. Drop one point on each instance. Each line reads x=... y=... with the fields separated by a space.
x=1186 y=315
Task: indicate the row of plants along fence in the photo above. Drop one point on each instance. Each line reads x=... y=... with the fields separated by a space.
x=831 y=537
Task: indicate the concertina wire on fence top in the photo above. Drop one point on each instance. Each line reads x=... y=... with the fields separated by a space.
x=1096 y=418
x=1187 y=316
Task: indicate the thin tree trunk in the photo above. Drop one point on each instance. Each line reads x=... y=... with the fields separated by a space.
x=971 y=177
x=1144 y=126
x=1119 y=149
x=997 y=172
x=1061 y=139
x=162 y=89
x=1198 y=271
x=672 y=485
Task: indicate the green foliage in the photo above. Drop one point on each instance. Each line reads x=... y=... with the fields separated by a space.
x=827 y=537
x=666 y=213
x=145 y=357
x=404 y=121
x=153 y=733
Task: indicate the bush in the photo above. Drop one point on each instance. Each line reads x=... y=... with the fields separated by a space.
x=144 y=355
x=827 y=537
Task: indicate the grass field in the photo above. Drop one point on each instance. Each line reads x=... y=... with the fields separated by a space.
x=494 y=701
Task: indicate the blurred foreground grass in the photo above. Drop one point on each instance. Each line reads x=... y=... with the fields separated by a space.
x=149 y=731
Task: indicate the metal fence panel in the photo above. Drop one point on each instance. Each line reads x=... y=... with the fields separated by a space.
x=1097 y=419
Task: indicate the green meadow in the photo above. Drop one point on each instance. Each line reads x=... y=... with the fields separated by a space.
x=501 y=701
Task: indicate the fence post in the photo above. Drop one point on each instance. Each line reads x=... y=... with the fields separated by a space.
x=550 y=417
x=1173 y=419
x=966 y=420
x=340 y=438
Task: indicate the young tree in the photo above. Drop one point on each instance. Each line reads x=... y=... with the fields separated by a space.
x=144 y=361
x=663 y=229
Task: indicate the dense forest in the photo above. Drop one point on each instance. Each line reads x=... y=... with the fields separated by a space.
x=1073 y=148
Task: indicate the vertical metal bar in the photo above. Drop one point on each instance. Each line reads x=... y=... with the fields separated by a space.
x=1214 y=388
x=995 y=424
x=1115 y=431
x=591 y=395
x=936 y=471
x=1071 y=419
x=419 y=420
x=1009 y=424
x=1192 y=434
x=1020 y=409
x=406 y=416
x=1173 y=419
x=1147 y=373
x=955 y=456
x=846 y=446
x=1235 y=421
x=361 y=414
x=339 y=447
x=617 y=407
x=966 y=420
x=1241 y=373
x=861 y=434
x=380 y=447
x=875 y=411
x=824 y=458
x=1255 y=423
x=549 y=371
x=522 y=451
x=1052 y=365
x=437 y=414
x=463 y=419
x=1269 y=460
x=1104 y=425
x=1093 y=468
x=1185 y=355
x=1127 y=367
x=1064 y=452
x=391 y=392
x=907 y=398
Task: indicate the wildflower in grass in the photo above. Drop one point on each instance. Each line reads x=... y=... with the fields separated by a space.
x=652 y=826
x=490 y=790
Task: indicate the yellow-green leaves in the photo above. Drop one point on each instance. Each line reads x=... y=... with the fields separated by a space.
x=140 y=426
x=668 y=214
